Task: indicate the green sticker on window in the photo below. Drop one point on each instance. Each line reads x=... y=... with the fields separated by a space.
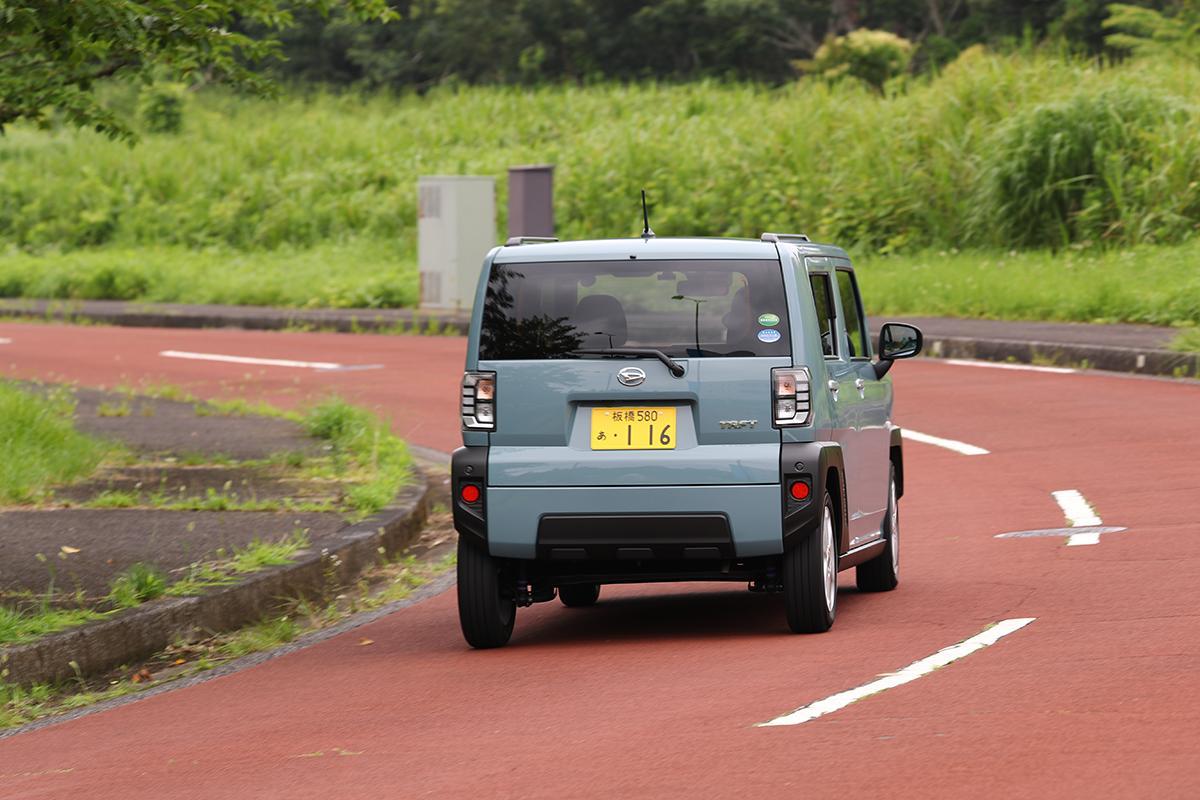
x=768 y=320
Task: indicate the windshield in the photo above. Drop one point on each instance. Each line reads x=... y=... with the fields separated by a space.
x=687 y=309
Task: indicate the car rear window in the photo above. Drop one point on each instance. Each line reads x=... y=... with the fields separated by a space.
x=687 y=309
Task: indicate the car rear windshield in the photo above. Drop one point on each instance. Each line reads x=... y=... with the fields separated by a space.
x=686 y=309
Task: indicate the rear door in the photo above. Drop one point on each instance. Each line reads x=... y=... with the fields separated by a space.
x=566 y=418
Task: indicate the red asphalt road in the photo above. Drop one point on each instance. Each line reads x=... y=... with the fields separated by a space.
x=655 y=691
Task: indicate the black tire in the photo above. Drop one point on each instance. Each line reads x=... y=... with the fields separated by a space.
x=485 y=613
x=882 y=573
x=579 y=595
x=808 y=595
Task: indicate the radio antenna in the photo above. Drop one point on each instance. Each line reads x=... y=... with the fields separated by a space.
x=646 y=232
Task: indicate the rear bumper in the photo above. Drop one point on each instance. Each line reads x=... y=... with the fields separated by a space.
x=741 y=521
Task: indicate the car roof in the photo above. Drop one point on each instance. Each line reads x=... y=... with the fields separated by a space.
x=655 y=249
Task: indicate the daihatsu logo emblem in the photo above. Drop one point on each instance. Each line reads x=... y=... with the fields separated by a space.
x=631 y=376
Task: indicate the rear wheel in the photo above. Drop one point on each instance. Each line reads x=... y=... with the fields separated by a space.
x=485 y=612
x=578 y=595
x=882 y=573
x=810 y=578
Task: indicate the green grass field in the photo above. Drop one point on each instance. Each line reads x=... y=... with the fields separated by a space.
x=1155 y=285
x=310 y=201
x=363 y=273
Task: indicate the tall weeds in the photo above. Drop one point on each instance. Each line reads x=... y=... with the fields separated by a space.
x=1032 y=149
x=312 y=200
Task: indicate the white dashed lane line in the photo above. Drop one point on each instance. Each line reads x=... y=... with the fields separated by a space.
x=265 y=362
x=1080 y=515
x=5 y=341
x=917 y=669
x=949 y=444
x=961 y=362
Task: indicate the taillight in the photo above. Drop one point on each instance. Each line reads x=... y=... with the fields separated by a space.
x=789 y=396
x=470 y=493
x=479 y=401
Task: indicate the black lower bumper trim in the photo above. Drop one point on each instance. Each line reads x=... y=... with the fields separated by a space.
x=634 y=536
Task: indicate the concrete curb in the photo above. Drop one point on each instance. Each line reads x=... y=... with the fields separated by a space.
x=142 y=631
x=1113 y=359
x=256 y=318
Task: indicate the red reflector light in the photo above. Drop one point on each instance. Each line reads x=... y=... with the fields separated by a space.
x=469 y=493
x=799 y=490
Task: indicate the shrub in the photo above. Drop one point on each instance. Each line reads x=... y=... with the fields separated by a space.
x=874 y=57
x=1084 y=169
x=161 y=108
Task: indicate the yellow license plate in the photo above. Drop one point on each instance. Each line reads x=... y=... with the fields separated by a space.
x=633 y=428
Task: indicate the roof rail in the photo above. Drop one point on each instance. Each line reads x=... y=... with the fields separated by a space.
x=785 y=237
x=513 y=241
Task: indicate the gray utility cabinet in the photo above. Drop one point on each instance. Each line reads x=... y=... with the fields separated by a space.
x=531 y=200
x=456 y=226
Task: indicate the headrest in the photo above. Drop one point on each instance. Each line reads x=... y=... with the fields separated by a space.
x=739 y=322
x=600 y=320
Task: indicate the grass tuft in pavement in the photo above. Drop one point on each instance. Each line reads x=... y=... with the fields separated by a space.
x=265 y=635
x=17 y=626
x=40 y=445
x=137 y=584
x=363 y=445
x=257 y=555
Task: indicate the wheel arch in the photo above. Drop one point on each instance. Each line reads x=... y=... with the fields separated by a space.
x=821 y=463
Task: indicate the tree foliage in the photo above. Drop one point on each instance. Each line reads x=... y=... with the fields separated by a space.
x=52 y=53
x=874 y=57
x=534 y=41
x=1145 y=31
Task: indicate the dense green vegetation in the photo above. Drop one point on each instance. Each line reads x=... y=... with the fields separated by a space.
x=531 y=41
x=311 y=200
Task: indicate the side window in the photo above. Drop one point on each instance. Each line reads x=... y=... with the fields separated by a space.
x=823 y=298
x=852 y=308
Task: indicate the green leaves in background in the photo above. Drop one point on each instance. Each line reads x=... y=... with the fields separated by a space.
x=53 y=53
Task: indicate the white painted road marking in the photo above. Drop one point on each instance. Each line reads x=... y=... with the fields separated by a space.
x=1086 y=527
x=917 y=669
x=264 y=362
x=949 y=444
x=960 y=362
x=5 y=341
x=1080 y=515
x=1083 y=533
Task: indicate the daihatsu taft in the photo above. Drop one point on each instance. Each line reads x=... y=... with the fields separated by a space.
x=650 y=409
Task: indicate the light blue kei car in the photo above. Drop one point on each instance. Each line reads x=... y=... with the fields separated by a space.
x=660 y=409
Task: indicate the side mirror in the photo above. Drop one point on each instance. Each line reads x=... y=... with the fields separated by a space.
x=896 y=341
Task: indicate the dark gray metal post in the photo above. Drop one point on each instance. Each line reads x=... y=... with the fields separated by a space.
x=531 y=200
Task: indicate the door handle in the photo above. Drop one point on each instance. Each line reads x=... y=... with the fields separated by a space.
x=861 y=385
x=833 y=387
